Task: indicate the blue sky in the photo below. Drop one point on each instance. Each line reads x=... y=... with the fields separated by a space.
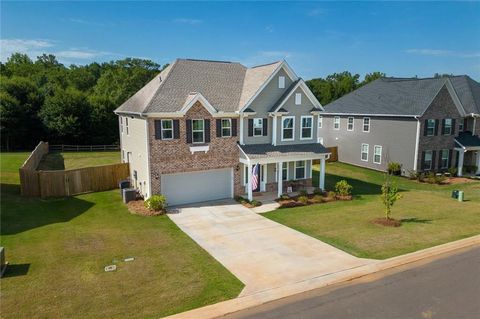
x=316 y=38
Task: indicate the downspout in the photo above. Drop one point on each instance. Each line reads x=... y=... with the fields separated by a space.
x=241 y=129
x=417 y=142
x=149 y=173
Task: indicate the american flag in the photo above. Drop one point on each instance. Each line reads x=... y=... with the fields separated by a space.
x=255 y=176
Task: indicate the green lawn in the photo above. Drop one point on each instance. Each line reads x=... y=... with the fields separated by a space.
x=57 y=250
x=71 y=160
x=430 y=216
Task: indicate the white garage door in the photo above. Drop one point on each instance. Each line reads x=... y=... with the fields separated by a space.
x=185 y=188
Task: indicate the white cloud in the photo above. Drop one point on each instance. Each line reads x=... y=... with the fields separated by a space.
x=88 y=22
x=79 y=54
x=437 y=52
x=32 y=47
x=187 y=21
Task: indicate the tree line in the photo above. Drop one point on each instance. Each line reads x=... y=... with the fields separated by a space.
x=46 y=100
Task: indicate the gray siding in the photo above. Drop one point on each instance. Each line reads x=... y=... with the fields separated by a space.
x=397 y=137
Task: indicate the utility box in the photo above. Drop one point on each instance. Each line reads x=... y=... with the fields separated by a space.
x=455 y=194
x=460 y=196
x=129 y=194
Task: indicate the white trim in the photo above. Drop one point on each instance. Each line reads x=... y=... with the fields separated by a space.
x=293 y=129
x=197 y=97
x=126 y=126
x=304 y=169
x=270 y=160
x=221 y=127
x=417 y=143
x=301 y=84
x=339 y=120
x=243 y=152
x=353 y=123
x=201 y=148
x=253 y=128
x=301 y=127
x=274 y=130
x=241 y=119
x=369 y=114
x=149 y=177
x=320 y=121
x=298 y=98
x=369 y=124
x=161 y=129
x=361 y=152
x=232 y=186
x=203 y=130
x=284 y=65
x=281 y=82
x=374 y=154
x=456 y=100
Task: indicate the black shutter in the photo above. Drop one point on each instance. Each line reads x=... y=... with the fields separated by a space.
x=250 y=127
x=425 y=127
x=207 y=131
x=453 y=127
x=436 y=126
x=265 y=127
x=433 y=159
x=450 y=159
x=443 y=127
x=422 y=161
x=189 y=131
x=440 y=153
x=234 y=127
x=176 y=129
x=219 y=128
x=158 y=129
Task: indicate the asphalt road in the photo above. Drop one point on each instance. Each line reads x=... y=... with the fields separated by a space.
x=442 y=288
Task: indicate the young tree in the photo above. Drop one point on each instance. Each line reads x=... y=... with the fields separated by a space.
x=389 y=194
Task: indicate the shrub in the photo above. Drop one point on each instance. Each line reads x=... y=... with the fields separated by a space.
x=156 y=203
x=255 y=203
x=470 y=169
x=303 y=200
x=394 y=168
x=342 y=188
x=452 y=171
x=431 y=178
x=303 y=192
x=331 y=194
x=284 y=197
x=239 y=198
x=440 y=179
x=317 y=191
x=412 y=175
x=317 y=198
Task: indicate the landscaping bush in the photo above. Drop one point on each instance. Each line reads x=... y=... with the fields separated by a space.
x=394 y=168
x=331 y=194
x=317 y=191
x=413 y=175
x=303 y=192
x=255 y=203
x=453 y=171
x=440 y=179
x=303 y=200
x=284 y=197
x=430 y=178
x=156 y=203
x=342 y=188
x=317 y=198
x=239 y=198
x=470 y=169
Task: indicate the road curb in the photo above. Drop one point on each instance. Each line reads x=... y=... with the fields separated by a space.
x=241 y=303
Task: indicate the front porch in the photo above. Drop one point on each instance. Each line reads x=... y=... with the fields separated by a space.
x=281 y=169
x=468 y=148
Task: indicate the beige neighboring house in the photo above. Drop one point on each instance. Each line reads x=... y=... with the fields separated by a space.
x=205 y=130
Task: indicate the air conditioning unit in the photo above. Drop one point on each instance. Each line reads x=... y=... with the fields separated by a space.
x=129 y=194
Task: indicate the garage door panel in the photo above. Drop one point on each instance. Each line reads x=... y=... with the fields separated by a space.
x=191 y=187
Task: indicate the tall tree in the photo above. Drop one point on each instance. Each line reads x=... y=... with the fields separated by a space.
x=370 y=77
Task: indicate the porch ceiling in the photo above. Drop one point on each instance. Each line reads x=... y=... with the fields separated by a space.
x=269 y=152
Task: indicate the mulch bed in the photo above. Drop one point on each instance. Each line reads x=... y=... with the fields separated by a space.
x=137 y=207
x=293 y=201
x=387 y=222
x=460 y=180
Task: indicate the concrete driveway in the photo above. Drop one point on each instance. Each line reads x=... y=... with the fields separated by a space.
x=261 y=253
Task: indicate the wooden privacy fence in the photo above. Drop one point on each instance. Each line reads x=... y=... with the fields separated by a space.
x=28 y=171
x=83 y=148
x=333 y=156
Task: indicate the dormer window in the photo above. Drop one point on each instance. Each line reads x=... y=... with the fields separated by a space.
x=281 y=82
x=298 y=98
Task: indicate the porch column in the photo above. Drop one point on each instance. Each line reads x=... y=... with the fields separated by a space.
x=321 y=177
x=280 y=179
x=460 y=163
x=249 y=180
x=478 y=163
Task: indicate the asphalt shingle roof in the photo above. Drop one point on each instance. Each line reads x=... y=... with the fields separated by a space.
x=398 y=96
x=269 y=150
x=467 y=139
x=226 y=85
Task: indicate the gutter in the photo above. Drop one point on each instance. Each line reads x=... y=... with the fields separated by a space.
x=417 y=142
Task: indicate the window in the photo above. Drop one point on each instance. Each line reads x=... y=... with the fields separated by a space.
x=198 y=131
x=258 y=127
x=126 y=125
x=320 y=122
x=167 y=129
x=288 y=125
x=350 y=124
x=366 y=124
x=284 y=171
x=430 y=127
x=427 y=160
x=300 y=169
x=447 y=127
x=336 y=123
x=281 y=82
x=364 y=155
x=298 y=98
x=377 y=154
x=226 y=127
x=121 y=124
x=445 y=154
x=307 y=128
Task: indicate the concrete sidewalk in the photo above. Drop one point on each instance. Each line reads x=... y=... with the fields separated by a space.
x=230 y=306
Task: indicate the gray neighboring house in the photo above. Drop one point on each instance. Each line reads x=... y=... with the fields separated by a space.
x=205 y=130
x=424 y=124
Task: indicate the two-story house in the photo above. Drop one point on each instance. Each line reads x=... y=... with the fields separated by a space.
x=423 y=124
x=206 y=130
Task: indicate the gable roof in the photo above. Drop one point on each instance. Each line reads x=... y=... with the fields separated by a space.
x=467 y=140
x=292 y=88
x=224 y=86
x=405 y=97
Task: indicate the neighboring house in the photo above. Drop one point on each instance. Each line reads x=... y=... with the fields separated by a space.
x=197 y=131
x=423 y=124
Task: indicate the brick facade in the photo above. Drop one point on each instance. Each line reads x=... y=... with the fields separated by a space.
x=174 y=156
x=442 y=107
